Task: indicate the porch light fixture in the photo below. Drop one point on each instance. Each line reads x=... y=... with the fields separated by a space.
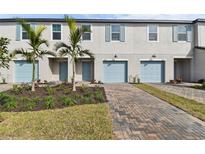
x=153 y=56
x=115 y=56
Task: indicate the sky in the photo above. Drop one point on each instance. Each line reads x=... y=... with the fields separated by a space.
x=110 y=16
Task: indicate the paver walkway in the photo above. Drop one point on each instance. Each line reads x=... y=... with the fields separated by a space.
x=190 y=93
x=139 y=115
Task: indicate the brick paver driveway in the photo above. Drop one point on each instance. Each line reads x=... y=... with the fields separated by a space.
x=139 y=115
x=190 y=93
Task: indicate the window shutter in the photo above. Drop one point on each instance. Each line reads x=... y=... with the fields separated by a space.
x=18 y=32
x=107 y=33
x=174 y=33
x=122 y=33
x=189 y=33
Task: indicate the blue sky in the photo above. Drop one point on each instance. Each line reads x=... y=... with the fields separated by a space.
x=110 y=16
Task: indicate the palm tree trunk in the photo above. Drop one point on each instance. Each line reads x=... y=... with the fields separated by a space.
x=33 y=77
x=74 y=87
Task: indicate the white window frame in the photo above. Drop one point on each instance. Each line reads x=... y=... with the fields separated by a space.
x=22 y=30
x=114 y=32
x=91 y=35
x=149 y=32
x=181 y=33
x=58 y=31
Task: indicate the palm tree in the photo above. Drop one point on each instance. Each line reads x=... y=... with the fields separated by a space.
x=73 y=48
x=35 y=51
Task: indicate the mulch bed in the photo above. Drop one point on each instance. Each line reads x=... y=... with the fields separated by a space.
x=58 y=92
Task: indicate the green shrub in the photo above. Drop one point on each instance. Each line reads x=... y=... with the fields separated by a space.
x=4 y=98
x=97 y=88
x=99 y=96
x=26 y=86
x=36 y=100
x=89 y=94
x=49 y=90
x=66 y=91
x=203 y=85
x=67 y=101
x=10 y=105
x=86 y=100
x=49 y=102
x=17 y=89
x=83 y=87
x=201 y=81
x=28 y=103
x=76 y=96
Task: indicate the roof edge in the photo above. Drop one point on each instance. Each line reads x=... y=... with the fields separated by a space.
x=106 y=20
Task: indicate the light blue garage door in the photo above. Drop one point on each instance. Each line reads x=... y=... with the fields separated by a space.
x=23 y=71
x=114 y=71
x=152 y=71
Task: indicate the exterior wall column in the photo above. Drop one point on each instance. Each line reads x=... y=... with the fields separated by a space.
x=98 y=69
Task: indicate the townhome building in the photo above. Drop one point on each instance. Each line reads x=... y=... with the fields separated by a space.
x=151 y=50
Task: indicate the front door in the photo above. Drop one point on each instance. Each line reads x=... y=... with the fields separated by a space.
x=86 y=72
x=63 y=71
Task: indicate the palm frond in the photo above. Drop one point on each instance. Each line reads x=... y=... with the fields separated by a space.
x=39 y=30
x=71 y=23
x=86 y=52
x=63 y=52
x=45 y=52
x=28 y=55
x=60 y=45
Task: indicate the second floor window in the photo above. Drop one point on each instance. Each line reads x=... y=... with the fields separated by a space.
x=115 y=32
x=182 y=33
x=153 y=32
x=24 y=34
x=87 y=35
x=56 y=31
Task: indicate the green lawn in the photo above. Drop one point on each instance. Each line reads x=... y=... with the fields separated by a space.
x=191 y=106
x=90 y=121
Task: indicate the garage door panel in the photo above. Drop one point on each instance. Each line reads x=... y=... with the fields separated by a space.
x=152 y=71
x=114 y=71
x=23 y=71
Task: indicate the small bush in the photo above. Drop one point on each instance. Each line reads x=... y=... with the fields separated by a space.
x=67 y=101
x=36 y=100
x=201 y=81
x=67 y=91
x=99 y=97
x=83 y=87
x=203 y=84
x=4 y=98
x=76 y=96
x=26 y=86
x=28 y=103
x=49 y=102
x=17 y=89
x=86 y=100
x=49 y=90
x=10 y=105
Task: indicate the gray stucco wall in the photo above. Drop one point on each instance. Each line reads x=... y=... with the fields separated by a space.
x=199 y=64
